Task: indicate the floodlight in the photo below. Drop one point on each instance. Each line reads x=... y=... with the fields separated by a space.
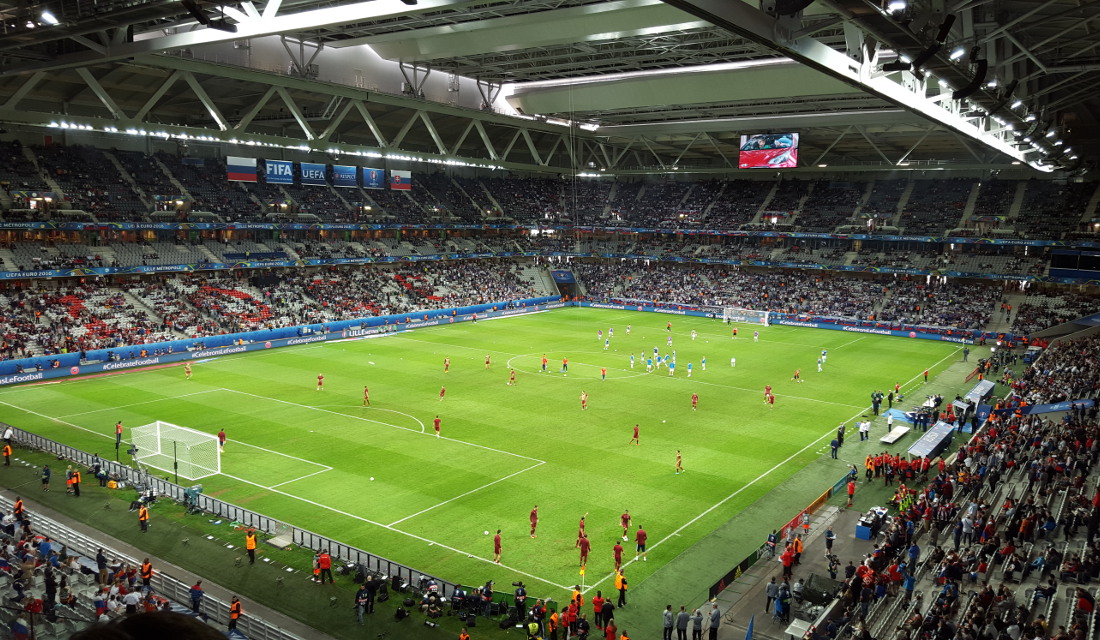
x=1016 y=104
x=957 y=53
x=49 y=18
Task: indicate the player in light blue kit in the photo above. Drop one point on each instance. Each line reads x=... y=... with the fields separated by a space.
x=606 y=344
x=704 y=363
x=672 y=367
x=632 y=361
x=648 y=365
x=824 y=355
x=689 y=369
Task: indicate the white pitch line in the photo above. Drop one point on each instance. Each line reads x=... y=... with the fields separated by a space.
x=386 y=424
x=850 y=342
x=423 y=428
x=68 y=424
x=134 y=404
x=405 y=533
x=285 y=455
x=301 y=478
x=751 y=483
x=462 y=495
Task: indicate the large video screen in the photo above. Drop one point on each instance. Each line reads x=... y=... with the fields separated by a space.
x=769 y=151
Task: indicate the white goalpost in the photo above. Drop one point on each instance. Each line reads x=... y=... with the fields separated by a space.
x=748 y=316
x=189 y=453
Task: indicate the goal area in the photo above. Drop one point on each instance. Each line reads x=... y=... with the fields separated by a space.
x=748 y=316
x=189 y=453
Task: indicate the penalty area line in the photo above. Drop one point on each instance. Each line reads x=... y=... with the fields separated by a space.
x=399 y=531
x=463 y=495
x=302 y=477
x=386 y=424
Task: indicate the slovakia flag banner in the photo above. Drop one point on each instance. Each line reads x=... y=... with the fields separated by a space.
x=240 y=169
x=401 y=180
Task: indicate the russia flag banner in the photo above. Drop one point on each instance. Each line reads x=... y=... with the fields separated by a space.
x=401 y=180
x=240 y=169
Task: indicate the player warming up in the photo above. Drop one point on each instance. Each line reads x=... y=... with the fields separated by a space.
x=511 y=377
x=625 y=521
x=584 y=401
x=639 y=542
x=756 y=336
x=694 y=401
x=488 y=361
x=679 y=463
x=320 y=381
x=187 y=370
x=797 y=377
x=544 y=361
x=767 y=392
x=436 y=424
x=580 y=529
x=496 y=547
x=534 y=520
x=442 y=392
x=635 y=439
x=446 y=365
x=366 y=396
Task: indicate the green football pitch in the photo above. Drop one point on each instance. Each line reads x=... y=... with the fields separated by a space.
x=378 y=477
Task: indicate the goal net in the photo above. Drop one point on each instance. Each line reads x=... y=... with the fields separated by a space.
x=175 y=449
x=748 y=316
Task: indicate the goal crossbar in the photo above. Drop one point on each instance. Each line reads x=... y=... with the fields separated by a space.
x=169 y=447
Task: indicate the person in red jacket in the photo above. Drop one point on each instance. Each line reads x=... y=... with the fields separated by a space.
x=325 y=563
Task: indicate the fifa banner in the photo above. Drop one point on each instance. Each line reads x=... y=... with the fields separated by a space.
x=373 y=178
x=164 y=353
x=344 y=176
x=240 y=169
x=401 y=180
x=280 y=171
x=313 y=174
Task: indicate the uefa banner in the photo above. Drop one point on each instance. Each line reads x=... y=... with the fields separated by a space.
x=374 y=178
x=280 y=171
x=313 y=174
x=343 y=176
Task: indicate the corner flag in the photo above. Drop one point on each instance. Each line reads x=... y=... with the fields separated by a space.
x=748 y=635
x=582 y=569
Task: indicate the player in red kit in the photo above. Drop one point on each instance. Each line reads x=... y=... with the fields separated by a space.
x=635 y=439
x=436 y=424
x=512 y=377
x=584 y=545
x=320 y=381
x=639 y=541
x=446 y=365
x=584 y=400
x=442 y=392
x=797 y=377
x=767 y=392
x=544 y=361
x=366 y=396
x=534 y=519
x=617 y=550
x=694 y=401
x=625 y=521
x=580 y=528
x=771 y=401
x=496 y=547
x=488 y=360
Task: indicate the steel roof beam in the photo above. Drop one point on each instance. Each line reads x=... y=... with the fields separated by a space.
x=265 y=25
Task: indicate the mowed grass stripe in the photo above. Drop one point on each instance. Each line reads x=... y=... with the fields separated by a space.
x=731 y=440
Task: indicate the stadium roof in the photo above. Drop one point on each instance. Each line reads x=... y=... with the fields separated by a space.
x=623 y=85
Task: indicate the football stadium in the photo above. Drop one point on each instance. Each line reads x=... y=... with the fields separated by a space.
x=600 y=319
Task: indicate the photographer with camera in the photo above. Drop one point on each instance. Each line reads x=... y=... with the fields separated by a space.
x=521 y=598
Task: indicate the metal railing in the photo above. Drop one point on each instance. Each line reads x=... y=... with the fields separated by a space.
x=340 y=551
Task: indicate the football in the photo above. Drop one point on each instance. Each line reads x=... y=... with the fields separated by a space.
x=664 y=420
x=372 y=478
x=486 y=533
